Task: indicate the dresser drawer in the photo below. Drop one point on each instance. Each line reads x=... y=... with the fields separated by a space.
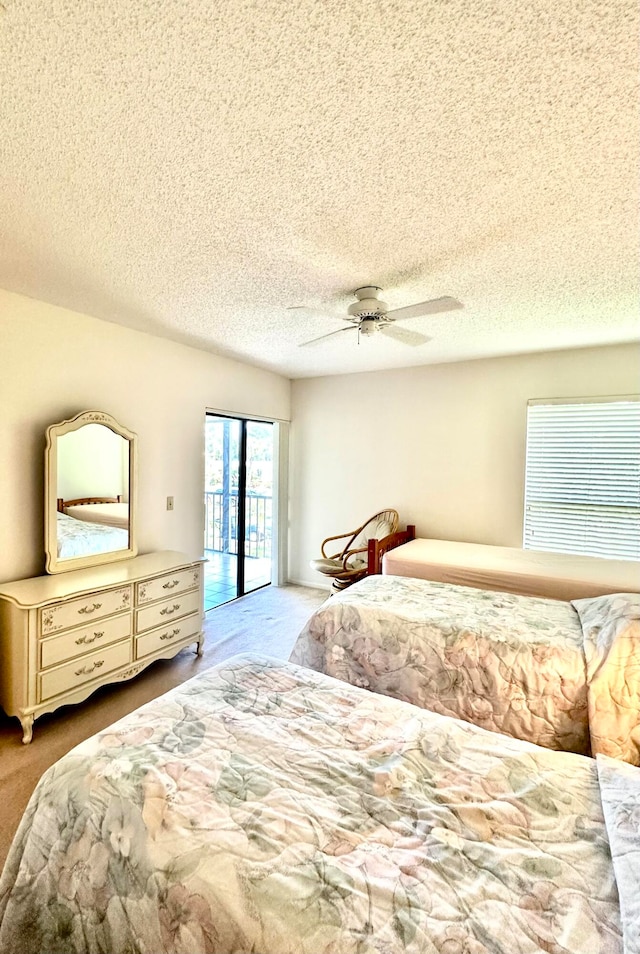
x=86 y=609
x=84 y=669
x=168 y=585
x=173 y=633
x=76 y=642
x=161 y=614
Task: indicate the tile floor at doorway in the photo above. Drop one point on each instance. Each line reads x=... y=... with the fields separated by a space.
x=220 y=576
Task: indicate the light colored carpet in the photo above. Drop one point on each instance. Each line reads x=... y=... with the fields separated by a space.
x=267 y=621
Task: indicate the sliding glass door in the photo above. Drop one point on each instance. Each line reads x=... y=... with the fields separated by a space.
x=238 y=500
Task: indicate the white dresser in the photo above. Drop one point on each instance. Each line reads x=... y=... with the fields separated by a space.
x=63 y=636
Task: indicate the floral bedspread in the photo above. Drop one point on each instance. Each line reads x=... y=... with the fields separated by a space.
x=80 y=538
x=620 y=794
x=509 y=663
x=264 y=807
x=611 y=629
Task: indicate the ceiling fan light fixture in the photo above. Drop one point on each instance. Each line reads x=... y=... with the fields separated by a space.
x=368 y=327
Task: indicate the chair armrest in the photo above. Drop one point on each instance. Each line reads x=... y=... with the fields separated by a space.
x=340 y=536
x=346 y=556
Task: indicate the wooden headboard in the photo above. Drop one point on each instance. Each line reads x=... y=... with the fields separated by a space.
x=79 y=501
x=378 y=548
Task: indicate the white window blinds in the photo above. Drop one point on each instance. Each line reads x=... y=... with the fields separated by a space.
x=582 y=479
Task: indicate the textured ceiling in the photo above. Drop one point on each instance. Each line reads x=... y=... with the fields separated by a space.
x=192 y=168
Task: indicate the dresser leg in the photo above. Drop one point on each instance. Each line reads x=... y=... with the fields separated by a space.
x=27 y=728
x=200 y=649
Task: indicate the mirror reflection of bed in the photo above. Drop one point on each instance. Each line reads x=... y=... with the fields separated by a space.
x=90 y=525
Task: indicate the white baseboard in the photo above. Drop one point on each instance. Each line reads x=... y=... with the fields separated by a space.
x=313 y=586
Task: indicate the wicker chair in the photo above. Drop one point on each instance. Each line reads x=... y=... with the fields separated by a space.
x=350 y=562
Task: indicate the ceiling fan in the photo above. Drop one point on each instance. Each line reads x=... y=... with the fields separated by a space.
x=371 y=316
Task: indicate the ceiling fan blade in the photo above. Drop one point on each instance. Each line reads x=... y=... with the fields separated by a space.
x=330 y=335
x=431 y=307
x=413 y=338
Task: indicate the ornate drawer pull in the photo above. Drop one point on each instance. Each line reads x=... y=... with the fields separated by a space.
x=90 y=609
x=170 y=635
x=86 y=640
x=169 y=585
x=168 y=610
x=85 y=672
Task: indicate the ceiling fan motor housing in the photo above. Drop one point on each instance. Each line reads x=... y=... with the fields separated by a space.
x=368 y=304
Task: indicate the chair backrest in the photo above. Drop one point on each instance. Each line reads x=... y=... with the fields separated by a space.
x=376 y=527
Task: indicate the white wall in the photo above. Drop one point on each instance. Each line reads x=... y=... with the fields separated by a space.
x=92 y=462
x=55 y=363
x=442 y=444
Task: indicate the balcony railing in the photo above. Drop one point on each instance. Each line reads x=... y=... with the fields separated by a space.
x=221 y=533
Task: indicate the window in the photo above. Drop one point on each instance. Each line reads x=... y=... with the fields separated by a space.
x=582 y=477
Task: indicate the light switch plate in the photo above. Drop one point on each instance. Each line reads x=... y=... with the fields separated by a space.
x=169 y=503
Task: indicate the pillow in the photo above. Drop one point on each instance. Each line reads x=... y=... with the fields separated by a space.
x=611 y=638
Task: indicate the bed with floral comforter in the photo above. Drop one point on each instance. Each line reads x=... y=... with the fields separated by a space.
x=537 y=669
x=80 y=538
x=262 y=807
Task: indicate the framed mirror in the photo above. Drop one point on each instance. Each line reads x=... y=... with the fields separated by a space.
x=90 y=477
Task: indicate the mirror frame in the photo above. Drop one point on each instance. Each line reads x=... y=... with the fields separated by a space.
x=54 y=431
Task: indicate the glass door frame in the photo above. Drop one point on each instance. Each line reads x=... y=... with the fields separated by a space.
x=241 y=518
x=279 y=498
